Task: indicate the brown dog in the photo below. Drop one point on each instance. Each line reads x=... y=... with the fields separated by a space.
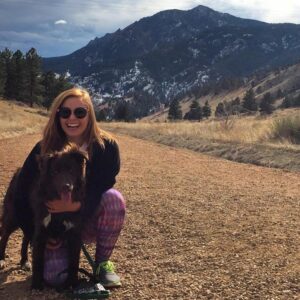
x=10 y=224
x=62 y=176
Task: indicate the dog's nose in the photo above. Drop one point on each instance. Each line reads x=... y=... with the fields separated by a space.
x=68 y=187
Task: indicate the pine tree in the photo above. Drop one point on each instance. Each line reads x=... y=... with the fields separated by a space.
x=296 y=101
x=101 y=115
x=20 y=78
x=123 y=112
x=49 y=92
x=33 y=87
x=265 y=105
x=236 y=106
x=2 y=75
x=195 y=112
x=18 y=75
x=220 y=110
x=236 y=101
x=175 y=112
x=62 y=84
x=280 y=93
x=206 y=110
x=249 y=103
x=53 y=85
x=7 y=60
x=287 y=102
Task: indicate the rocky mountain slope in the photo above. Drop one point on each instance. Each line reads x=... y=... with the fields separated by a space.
x=173 y=52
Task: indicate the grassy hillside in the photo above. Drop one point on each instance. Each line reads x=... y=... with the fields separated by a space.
x=213 y=100
x=252 y=139
x=250 y=129
x=286 y=80
x=17 y=118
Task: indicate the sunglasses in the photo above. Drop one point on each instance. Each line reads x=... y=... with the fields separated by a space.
x=66 y=112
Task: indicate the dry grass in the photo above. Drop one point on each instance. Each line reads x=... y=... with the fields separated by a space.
x=287 y=128
x=19 y=119
x=247 y=139
x=252 y=129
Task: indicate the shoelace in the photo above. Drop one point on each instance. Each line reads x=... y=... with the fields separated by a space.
x=108 y=266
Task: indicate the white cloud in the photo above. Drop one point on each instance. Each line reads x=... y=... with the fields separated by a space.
x=271 y=11
x=60 y=22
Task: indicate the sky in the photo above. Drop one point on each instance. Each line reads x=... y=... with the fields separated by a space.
x=60 y=27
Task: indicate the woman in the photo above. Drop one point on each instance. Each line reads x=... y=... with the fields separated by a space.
x=72 y=119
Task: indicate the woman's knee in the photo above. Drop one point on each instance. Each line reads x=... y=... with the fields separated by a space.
x=113 y=200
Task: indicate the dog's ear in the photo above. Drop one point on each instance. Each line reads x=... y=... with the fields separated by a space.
x=44 y=162
x=80 y=156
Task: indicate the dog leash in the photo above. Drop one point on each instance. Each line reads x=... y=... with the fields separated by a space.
x=89 y=258
x=91 y=289
x=88 y=291
x=92 y=263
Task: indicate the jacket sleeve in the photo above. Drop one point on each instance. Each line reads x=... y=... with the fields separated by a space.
x=24 y=182
x=111 y=166
x=103 y=169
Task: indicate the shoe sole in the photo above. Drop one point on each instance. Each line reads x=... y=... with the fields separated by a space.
x=112 y=285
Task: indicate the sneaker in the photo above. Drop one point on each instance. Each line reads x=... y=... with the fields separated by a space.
x=105 y=274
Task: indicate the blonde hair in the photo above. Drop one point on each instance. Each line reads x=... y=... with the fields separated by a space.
x=54 y=138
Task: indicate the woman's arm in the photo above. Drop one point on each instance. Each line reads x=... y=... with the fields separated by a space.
x=111 y=166
x=103 y=169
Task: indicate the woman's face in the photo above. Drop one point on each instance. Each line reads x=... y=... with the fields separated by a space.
x=72 y=125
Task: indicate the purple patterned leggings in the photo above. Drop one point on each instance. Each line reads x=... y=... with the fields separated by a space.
x=104 y=228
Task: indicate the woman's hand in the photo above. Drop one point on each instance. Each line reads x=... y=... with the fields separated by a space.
x=62 y=205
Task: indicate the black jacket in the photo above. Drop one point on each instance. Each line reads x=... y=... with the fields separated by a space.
x=101 y=171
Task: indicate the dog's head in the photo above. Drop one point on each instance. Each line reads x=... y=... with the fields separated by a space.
x=63 y=174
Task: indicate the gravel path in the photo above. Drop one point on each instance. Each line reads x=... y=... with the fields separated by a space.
x=197 y=227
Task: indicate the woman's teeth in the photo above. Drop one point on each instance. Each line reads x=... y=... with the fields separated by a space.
x=72 y=125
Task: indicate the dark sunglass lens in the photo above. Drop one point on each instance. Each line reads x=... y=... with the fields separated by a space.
x=80 y=112
x=64 y=112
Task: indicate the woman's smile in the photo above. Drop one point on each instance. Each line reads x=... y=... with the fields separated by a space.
x=72 y=124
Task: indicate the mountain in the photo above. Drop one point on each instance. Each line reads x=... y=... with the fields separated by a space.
x=282 y=84
x=173 y=52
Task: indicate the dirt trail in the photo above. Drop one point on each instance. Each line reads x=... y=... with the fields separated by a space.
x=197 y=227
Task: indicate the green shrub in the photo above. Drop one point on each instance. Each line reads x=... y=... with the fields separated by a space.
x=287 y=128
